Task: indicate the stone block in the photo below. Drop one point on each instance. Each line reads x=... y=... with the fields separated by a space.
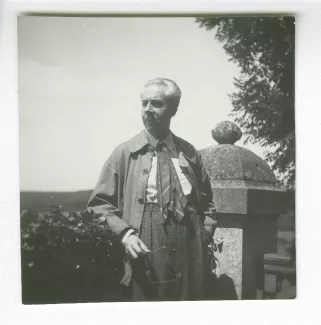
x=246 y=238
x=246 y=200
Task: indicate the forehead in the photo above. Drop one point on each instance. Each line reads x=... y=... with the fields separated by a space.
x=154 y=92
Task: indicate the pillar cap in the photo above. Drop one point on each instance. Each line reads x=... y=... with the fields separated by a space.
x=229 y=162
x=226 y=132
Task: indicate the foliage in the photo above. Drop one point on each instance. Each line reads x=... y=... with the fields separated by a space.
x=67 y=257
x=263 y=105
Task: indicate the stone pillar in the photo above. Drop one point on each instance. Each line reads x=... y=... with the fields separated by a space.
x=248 y=203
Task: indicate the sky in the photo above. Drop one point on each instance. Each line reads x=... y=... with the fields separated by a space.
x=80 y=81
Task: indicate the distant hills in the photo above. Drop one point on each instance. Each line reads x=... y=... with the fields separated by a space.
x=42 y=201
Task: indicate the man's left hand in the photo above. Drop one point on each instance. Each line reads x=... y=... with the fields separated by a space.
x=210 y=224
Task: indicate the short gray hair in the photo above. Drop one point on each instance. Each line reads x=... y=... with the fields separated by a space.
x=172 y=92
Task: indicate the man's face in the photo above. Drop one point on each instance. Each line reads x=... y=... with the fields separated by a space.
x=156 y=111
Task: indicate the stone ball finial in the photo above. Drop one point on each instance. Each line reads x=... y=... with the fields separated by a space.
x=226 y=132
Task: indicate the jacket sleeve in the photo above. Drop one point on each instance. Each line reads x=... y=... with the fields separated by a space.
x=207 y=202
x=104 y=201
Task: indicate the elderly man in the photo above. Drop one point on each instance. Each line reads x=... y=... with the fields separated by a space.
x=155 y=196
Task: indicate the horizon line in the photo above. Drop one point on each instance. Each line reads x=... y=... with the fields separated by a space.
x=55 y=191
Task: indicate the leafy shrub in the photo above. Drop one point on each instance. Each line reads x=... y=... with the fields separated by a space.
x=67 y=257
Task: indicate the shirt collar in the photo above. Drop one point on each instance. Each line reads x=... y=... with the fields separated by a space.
x=140 y=140
x=173 y=142
x=154 y=141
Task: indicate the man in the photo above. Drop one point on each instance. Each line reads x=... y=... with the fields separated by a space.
x=155 y=196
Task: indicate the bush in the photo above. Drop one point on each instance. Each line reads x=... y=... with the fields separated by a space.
x=67 y=257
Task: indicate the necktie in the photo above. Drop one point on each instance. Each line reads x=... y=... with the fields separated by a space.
x=171 y=196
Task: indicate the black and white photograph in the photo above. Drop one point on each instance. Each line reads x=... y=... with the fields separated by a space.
x=157 y=158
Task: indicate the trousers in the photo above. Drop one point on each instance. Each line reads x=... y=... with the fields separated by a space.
x=177 y=268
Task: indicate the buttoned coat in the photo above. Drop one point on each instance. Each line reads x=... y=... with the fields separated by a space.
x=118 y=199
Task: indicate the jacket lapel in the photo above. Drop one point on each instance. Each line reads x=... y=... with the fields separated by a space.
x=187 y=158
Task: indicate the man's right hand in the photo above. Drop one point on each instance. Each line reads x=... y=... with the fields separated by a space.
x=134 y=247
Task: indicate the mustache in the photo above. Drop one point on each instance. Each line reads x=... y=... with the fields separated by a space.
x=150 y=116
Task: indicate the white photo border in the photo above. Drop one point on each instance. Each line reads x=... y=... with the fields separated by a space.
x=304 y=309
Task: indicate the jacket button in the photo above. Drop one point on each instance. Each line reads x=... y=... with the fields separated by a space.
x=141 y=201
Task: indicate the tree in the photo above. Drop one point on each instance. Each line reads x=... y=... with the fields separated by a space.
x=263 y=105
